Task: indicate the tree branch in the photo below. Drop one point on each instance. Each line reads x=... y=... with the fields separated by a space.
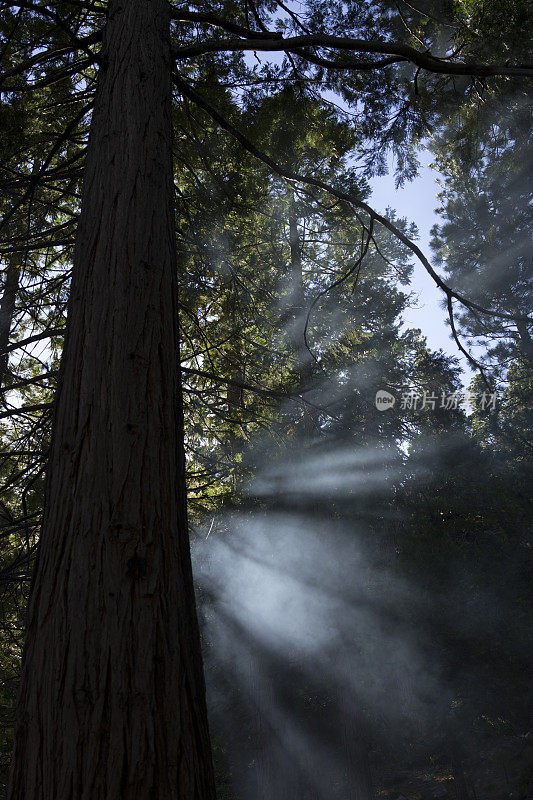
x=400 y=52
x=309 y=180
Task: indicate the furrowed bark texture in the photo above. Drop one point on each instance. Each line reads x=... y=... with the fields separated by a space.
x=112 y=700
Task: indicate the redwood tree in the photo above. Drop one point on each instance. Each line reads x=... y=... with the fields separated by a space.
x=112 y=700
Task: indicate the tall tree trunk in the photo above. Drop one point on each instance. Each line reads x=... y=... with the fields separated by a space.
x=7 y=310
x=112 y=703
x=298 y=311
x=359 y=774
x=304 y=365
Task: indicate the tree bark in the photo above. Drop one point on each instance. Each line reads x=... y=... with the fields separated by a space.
x=112 y=702
x=7 y=311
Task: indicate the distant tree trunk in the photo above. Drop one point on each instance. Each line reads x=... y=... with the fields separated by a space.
x=459 y=778
x=235 y=372
x=112 y=703
x=268 y=772
x=304 y=364
x=356 y=753
x=298 y=309
x=525 y=343
x=7 y=310
x=297 y=290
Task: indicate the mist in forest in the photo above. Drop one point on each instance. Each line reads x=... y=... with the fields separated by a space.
x=331 y=641
x=317 y=648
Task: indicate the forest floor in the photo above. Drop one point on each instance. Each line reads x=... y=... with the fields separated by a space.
x=500 y=771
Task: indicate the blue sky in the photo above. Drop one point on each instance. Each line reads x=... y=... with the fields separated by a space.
x=417 y=202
